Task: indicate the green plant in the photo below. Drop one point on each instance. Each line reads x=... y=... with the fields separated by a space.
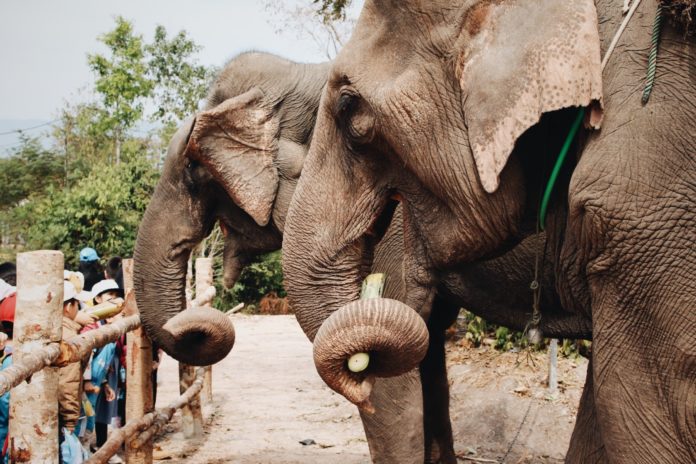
x=261 y=277
x=103 y=210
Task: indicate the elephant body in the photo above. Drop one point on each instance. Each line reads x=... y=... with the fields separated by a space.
x=457 y=111
x=261 y=106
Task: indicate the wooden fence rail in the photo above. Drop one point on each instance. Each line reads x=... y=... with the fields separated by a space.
x=38 y=352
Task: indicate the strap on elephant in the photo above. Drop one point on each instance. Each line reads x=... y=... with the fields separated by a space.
x=535 y=286
x=649 y=83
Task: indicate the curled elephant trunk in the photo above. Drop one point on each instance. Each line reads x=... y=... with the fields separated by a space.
x=388 y=337
x=200 y=334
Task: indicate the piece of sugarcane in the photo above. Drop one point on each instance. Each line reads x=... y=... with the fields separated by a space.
x=107 y=309
x=372 y=287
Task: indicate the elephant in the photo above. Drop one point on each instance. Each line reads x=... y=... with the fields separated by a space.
x=203 y=182
x=457 y=111
x=235 y=163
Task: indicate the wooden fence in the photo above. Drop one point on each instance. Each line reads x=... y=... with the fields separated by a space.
x=39 y=351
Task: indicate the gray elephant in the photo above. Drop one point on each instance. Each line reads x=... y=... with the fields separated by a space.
x=260 y=116
x=458 y=110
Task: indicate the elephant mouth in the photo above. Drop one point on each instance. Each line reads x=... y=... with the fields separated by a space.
x=375 y=232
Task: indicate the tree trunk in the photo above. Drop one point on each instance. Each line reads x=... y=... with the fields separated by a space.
x=118 y=149
x=33 y=424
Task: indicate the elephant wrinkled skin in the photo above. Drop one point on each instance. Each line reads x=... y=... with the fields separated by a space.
x=457 y=110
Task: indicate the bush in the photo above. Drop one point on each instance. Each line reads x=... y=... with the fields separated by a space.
x=102 y=210
x=478 y=332
x=262 y=277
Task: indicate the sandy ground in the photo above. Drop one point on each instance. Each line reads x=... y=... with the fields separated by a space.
x=268 y=397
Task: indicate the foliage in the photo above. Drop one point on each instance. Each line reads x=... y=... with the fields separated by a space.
x=478 y=332
x=102 y=210
x=29 y=169
x=121 y=81
x=181 y=82
x=332 y=10
x=261 y=277
x=327 y=26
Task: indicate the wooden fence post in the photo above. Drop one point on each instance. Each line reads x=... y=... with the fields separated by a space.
x=38 y=322
x=204 y=279
x=138 y=376
x=191 y=417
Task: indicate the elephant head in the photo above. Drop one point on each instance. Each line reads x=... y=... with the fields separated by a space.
x=236 y=163
x=426 y=106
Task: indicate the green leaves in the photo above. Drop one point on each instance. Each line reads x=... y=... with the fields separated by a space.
x=122 y=79
x=261 y=277
x=181 y=82
x=30 y=169
x=332 y=10
x=101 y=210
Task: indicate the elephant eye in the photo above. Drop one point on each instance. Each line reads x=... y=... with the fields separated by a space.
x=346 y=104
x=355 y=118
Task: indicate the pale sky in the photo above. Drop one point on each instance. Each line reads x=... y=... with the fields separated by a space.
x=45 y=42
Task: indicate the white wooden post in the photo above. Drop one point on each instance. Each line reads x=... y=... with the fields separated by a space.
x=204 y=279
x=553 y=367
x=138 y=375
x=38 y=320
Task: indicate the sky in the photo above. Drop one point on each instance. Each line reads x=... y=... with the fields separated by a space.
x=45 y=43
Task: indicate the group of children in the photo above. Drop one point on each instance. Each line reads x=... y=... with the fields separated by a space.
x=91 y=391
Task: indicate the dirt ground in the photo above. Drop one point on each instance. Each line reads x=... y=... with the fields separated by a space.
x=268 y=397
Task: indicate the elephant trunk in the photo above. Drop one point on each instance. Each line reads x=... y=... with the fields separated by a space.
x=391 y=337
x=196 y=336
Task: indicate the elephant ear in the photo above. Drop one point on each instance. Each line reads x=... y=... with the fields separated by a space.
x=237 y=141
x=519 y=59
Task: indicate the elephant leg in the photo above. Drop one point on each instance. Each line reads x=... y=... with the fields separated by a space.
x=439 y=443
x=644 y=387
x=586 y=445
x=395 y=430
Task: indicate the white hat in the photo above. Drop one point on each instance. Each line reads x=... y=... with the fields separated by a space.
x=69 y=292
x=6 y=290
x=106 y=285
x=77 y=278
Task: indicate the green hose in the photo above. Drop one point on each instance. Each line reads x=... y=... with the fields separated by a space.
x=557 y=167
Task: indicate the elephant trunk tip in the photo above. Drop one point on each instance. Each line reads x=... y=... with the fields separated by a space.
x=366 y=339
x=199 y=336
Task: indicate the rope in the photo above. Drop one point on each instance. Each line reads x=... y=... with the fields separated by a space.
x=519 y=429
x=620 y=31
x=652 y=58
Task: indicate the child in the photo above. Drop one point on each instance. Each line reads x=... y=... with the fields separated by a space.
x=106 y=404
x=70 y=376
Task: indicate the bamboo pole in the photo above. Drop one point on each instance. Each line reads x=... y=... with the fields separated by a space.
x=138 y=375
x=145 y=427
x=164 y=415
x=33 y=424
x=204 y=280
x=61 y=354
